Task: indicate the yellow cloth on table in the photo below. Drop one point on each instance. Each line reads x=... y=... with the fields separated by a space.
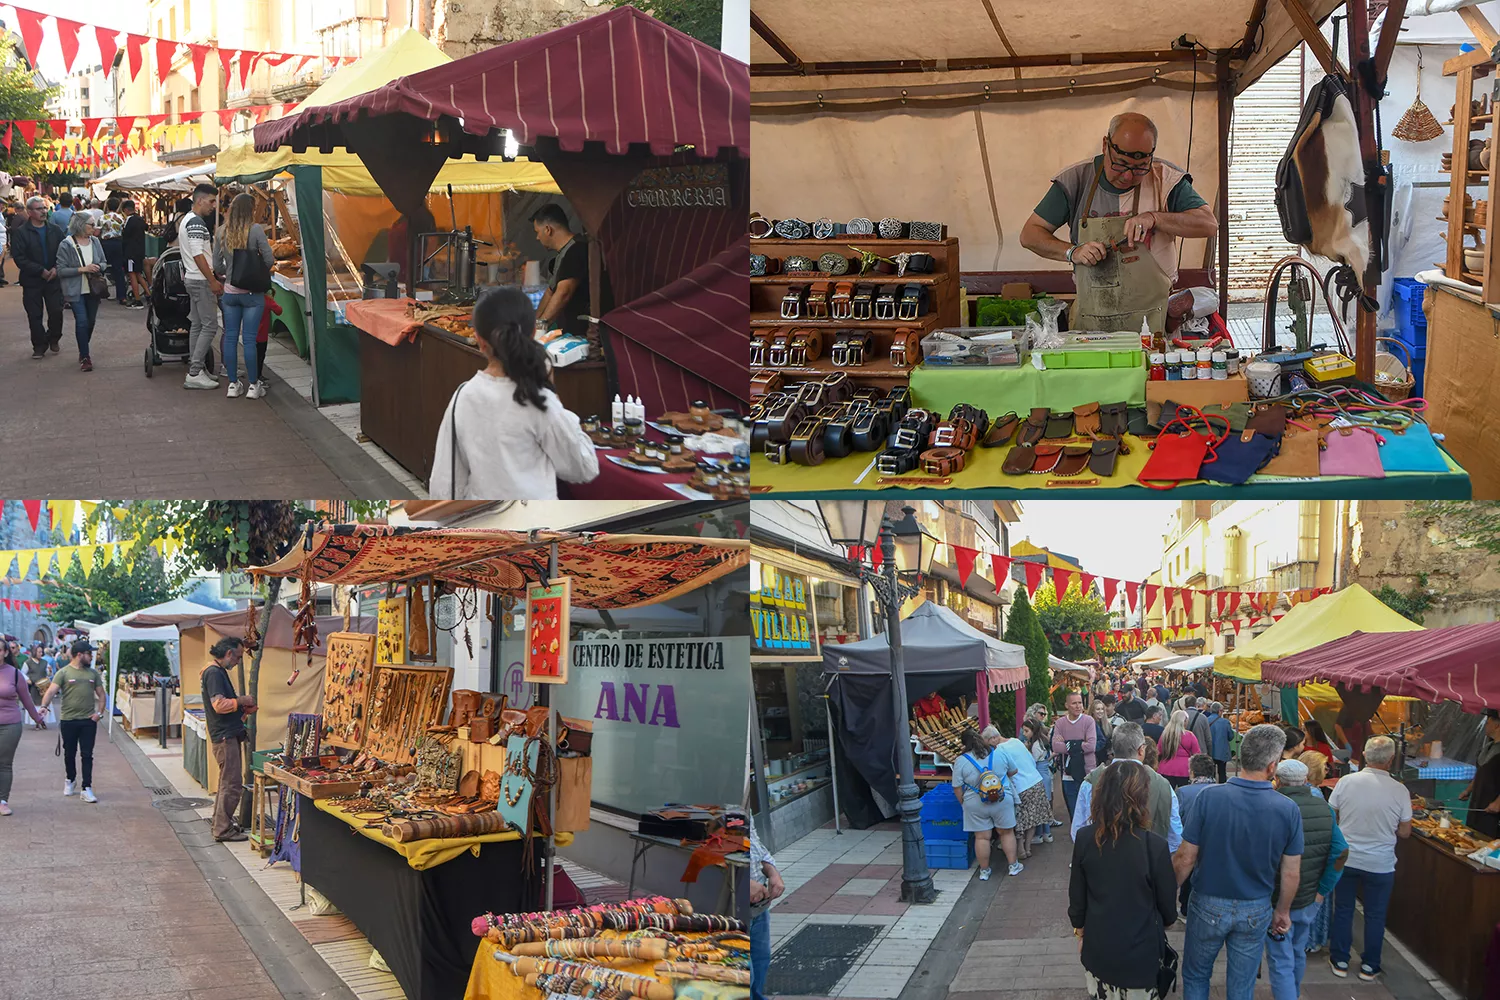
x=424 y=854
x=491 y=979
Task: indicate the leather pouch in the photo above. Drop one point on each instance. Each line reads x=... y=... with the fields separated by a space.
x=1137 y=422
x=536 y=721
x=468 y=785
x=1411 y=449
x=1075 y=458
x=1180 y=451
x=1001 y=431
x=1035 y=427
x=1239 y=457
x=1270 y=421
x=1020 y=460
x=481 y=728
x=489 y=786
x=1298 y=456
x=1086 y=419
x=1351 y=451
x=1113 y=419
x=1047 y=457
x=1238 y=414
x=1059 y=425
x=1102 y=461
x=465 y=703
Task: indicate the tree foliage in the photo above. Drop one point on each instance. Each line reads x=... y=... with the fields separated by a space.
x=108 y=591
x=1468 y=522
x=703 y=19
x=21 y=100
x=1411 y=605
x=1076 y=613
x=1023 y=629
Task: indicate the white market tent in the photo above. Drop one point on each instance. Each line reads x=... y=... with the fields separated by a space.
x=116 y=631
x=1153 y=654
x=1185 y=664
x=1061 y=666
x=962 y=112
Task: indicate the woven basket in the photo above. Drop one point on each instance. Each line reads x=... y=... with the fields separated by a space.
x=1393 y=378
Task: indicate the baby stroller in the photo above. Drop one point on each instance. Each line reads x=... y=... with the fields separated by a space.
x=168 y=311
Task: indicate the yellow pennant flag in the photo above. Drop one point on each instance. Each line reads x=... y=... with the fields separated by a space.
x=105 y=553
x=63 y=512
x=85 y=556
x=88 y=507
x=25 y=559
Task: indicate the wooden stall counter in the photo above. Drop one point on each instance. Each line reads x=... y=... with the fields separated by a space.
x=140 y=711
x=1453 y=938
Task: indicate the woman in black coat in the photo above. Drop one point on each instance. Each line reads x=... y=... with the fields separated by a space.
x=1123 y=893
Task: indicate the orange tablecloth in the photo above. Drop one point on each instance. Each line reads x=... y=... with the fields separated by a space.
x=384 y=319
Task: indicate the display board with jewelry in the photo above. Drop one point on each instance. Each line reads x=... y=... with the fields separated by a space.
x=346 y=688
x=651 y=948
x=404 y=701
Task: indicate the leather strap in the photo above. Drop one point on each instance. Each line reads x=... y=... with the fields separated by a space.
x=762 y=383
x=870 y=430
x=885 y=303
x=863 y=303
x=840 y=304
x=897 y=461
x=958 y=433
x=838 y=434
x=838 y=387
x=779 y=353
x=791 y=302
x=943 y=461
x=913 y=302
x=817 y=300
x=806 y=346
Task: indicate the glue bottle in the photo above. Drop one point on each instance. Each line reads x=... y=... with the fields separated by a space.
x=617 y=410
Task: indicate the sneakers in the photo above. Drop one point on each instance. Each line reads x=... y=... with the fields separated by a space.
x=1367 y=974
x=1016 y=869
x=4 y=808
x=88 y=795
x=38 y=354
x=86 y=364
x=1048 y=837
x=202 y=380
x=1057 y=822
x=236 y=390
x=984 y=874
x=257 y=390
x=1340 y=969
x=70 y=788
x=1038 y=839
x=55 y=346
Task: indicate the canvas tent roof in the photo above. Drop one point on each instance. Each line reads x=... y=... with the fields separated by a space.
x=934 y=640
x=232 y=623
x=1460 y=663
x=410 y=52
x=1061 y=666
x=1152 y=653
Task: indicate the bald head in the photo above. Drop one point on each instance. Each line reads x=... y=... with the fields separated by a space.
x=1128 y=147
x=1131 y=125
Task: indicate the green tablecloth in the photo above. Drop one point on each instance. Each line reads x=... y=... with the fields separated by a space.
x=1001 y=390
x=293 y=316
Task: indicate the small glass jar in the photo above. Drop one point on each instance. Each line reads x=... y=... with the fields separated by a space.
x=1205 y=363
x=674 y=444
x=617 y=436
x=1189 y=366
x=1232 y=361
x=634 y=427
x=1158 y=367
x=1174 y=366
x=1221 y=365
x=590 y=424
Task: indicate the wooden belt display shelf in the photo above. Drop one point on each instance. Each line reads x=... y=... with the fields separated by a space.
x=1467 y=68
x=943 y=294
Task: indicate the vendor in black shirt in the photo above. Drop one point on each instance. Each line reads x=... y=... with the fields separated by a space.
x=224 y=713
x=567 y=298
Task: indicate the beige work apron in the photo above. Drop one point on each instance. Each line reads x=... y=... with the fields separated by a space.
x=1126 y=286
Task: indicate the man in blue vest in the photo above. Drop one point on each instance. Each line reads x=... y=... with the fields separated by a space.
x=1324 y=852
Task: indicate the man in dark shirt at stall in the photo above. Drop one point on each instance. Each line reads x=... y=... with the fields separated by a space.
x=225 y=715
x=567 y=296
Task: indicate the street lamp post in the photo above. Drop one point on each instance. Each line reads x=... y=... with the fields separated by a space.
x=856 y=521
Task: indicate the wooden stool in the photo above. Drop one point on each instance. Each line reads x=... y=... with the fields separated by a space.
x=262 y=823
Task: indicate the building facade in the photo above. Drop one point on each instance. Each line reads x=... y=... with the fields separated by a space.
x=16 y=533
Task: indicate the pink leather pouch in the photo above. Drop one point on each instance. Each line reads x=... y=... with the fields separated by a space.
x=1351 y=451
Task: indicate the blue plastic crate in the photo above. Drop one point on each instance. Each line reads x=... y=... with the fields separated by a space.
x=1406 y=303
x=1419 y=372
x=942 y=816
x=944 y=829
x=950 y=854
x=1417 y=347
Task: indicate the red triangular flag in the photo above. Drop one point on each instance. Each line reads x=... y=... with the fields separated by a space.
x=1034 y=571
x=1277 y=618
x=226 y=118
x=247 y=63
x=59 y=126
x=154 y=120
x=1136 y=635
x=876 y=558
x=7 y=602
x=1094 y=642
x=1067 y=637
x=190 y=116
x=31 y=32
x=1132 y=592
x=963 y=561
x=166 y=51
x=200 y=56
x=1237 y=623
x=109 y=46
x=1219 y=597
x=1099 y=636
x=1001 y=566
x=225 y=55
x=1060 y=580
x=302 y=64
x=133 y=45
x=1186 y=593
x=33 y=511
x=1085 y=583
x=1167 y=593
x=1110 y=585
x=1149 y=600
x=91 y=126
x=28 y=131
x=8 y=127
x=276 y=58
x=67 y=38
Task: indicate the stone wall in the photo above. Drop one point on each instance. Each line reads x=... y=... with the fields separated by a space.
x=463 y=27
x=1393 y=546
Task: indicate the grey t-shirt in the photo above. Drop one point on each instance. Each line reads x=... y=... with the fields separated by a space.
x=966 y=774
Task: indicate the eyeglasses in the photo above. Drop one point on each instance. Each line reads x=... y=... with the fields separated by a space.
x=1125 y=159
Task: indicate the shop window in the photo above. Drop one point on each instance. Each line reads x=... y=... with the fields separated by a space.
x=667 y=686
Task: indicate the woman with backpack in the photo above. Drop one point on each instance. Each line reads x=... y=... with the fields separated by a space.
x=242 y=254
x=15 y=704
x=981 y=784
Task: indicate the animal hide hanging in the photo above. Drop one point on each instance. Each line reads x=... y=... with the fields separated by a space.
x=1320 y=182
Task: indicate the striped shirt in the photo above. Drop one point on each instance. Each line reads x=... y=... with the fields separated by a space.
x=193 y=239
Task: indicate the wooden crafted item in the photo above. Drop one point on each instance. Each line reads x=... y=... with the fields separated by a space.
x=404 y=701
x=419 y=625
x=547 y=632
x=390 y=634
x=346 y=688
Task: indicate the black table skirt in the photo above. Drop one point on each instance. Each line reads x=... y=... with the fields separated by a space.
x=419 y=921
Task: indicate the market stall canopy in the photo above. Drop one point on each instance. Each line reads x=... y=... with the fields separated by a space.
x=1310 y=624
x=343 y=171
x=1185 y=664
x=1061 y=666
x=279 y=635
x=135 y=172
x=608 y=571
x=1460 y=663
x=180 y=178
x=934 y=640
x=621 y=78
x=118 y=629
x=1152 y=653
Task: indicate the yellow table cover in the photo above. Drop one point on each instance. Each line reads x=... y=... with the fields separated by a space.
x=424 y=854
x=491 y=979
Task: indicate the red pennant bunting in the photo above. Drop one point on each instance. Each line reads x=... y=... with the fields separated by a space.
x=1110 y=586
x=276 y=58
x=9 y=605
x=302 y=64
x=1132 y=591
x=1086 y=584
x=1219 y=603
x=225 y=56
x=1186 y=594
x=1095 y=643
x=1061 y=578
x=133 y=45
x=226 y=119
x=1135 y=634
x=91 y=126
x=33 y=511
x=1099 y=636
x=963 y=561
x=28 y=132
x=1277 y=618
x=1238 y=622
x=109 y=46
x=154 y=120
x=190 y=116
x=8 y=127
x=1034 y=572
x=1167 y=595
x=247 y=63
x=200 y=56
x=67 y=39
x=1150 y=598
x=31 y=33
x=1067 y=637
x=166 y=51
x=59 y=126
x=1001 y=566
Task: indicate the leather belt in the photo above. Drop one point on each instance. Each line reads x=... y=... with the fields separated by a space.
x=861 y=227
x=823 y=229
x=841 y=304
x=792 y=229
x=817 y=300
x=806 y=347
x=758 y=265
x=799 y=264
x=913 y=302
x=906 y=348
x=943 y=461
x=897 y=461
x=838 y=387
x=784 y=418
x=833 y=263
x=967 y=411
x=758 y=350
x=960 y=433
x=885 y=303
x=761 y=227
x=851 y=348
x=781 y=343
x=919 y=263
x=862 y=306
x=763 y=383
x=889 y=229
x=838 y=435
x=933 y=231
x=806 y=445
x=791 y=302
x=870 y=429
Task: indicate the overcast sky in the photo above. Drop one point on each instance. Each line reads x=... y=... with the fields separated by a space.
x=125 y=15
x=1119 y=538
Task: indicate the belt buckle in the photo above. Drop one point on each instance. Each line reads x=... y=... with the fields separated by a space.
x=780 y=347
x=861 y=308
x=817 y=305
x=840 y=352
x=841 y=306
x=791 y=305
x=758 y=352
x=885 y=307
x=909 y=307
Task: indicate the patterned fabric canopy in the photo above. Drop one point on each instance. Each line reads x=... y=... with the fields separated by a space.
x=608 y=571
x=619 y=78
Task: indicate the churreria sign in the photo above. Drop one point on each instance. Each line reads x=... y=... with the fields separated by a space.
x=680 y=187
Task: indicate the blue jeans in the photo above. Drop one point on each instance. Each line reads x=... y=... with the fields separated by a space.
x=760 y=955
x=1070 y=795
x=114 y=253
x=1377 y=886
x=1318 y=937
x=85 y=309
x=241 y=320
x=1286 y=960
x=1239 y=926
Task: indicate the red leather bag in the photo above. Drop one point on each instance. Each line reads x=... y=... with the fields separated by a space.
x=1185 y=444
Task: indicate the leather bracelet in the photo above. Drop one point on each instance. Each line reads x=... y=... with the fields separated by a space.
x=943 y=461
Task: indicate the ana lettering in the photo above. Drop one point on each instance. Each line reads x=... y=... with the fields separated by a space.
x=663 y=710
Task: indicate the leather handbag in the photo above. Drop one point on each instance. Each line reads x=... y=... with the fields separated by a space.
x=248 y=270
x=1166 y=975
x=1180 y=451
x=1351 y=451
x=1411 y=449
x=1239 y=457
x=1298 y=457
x=1269 y=420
